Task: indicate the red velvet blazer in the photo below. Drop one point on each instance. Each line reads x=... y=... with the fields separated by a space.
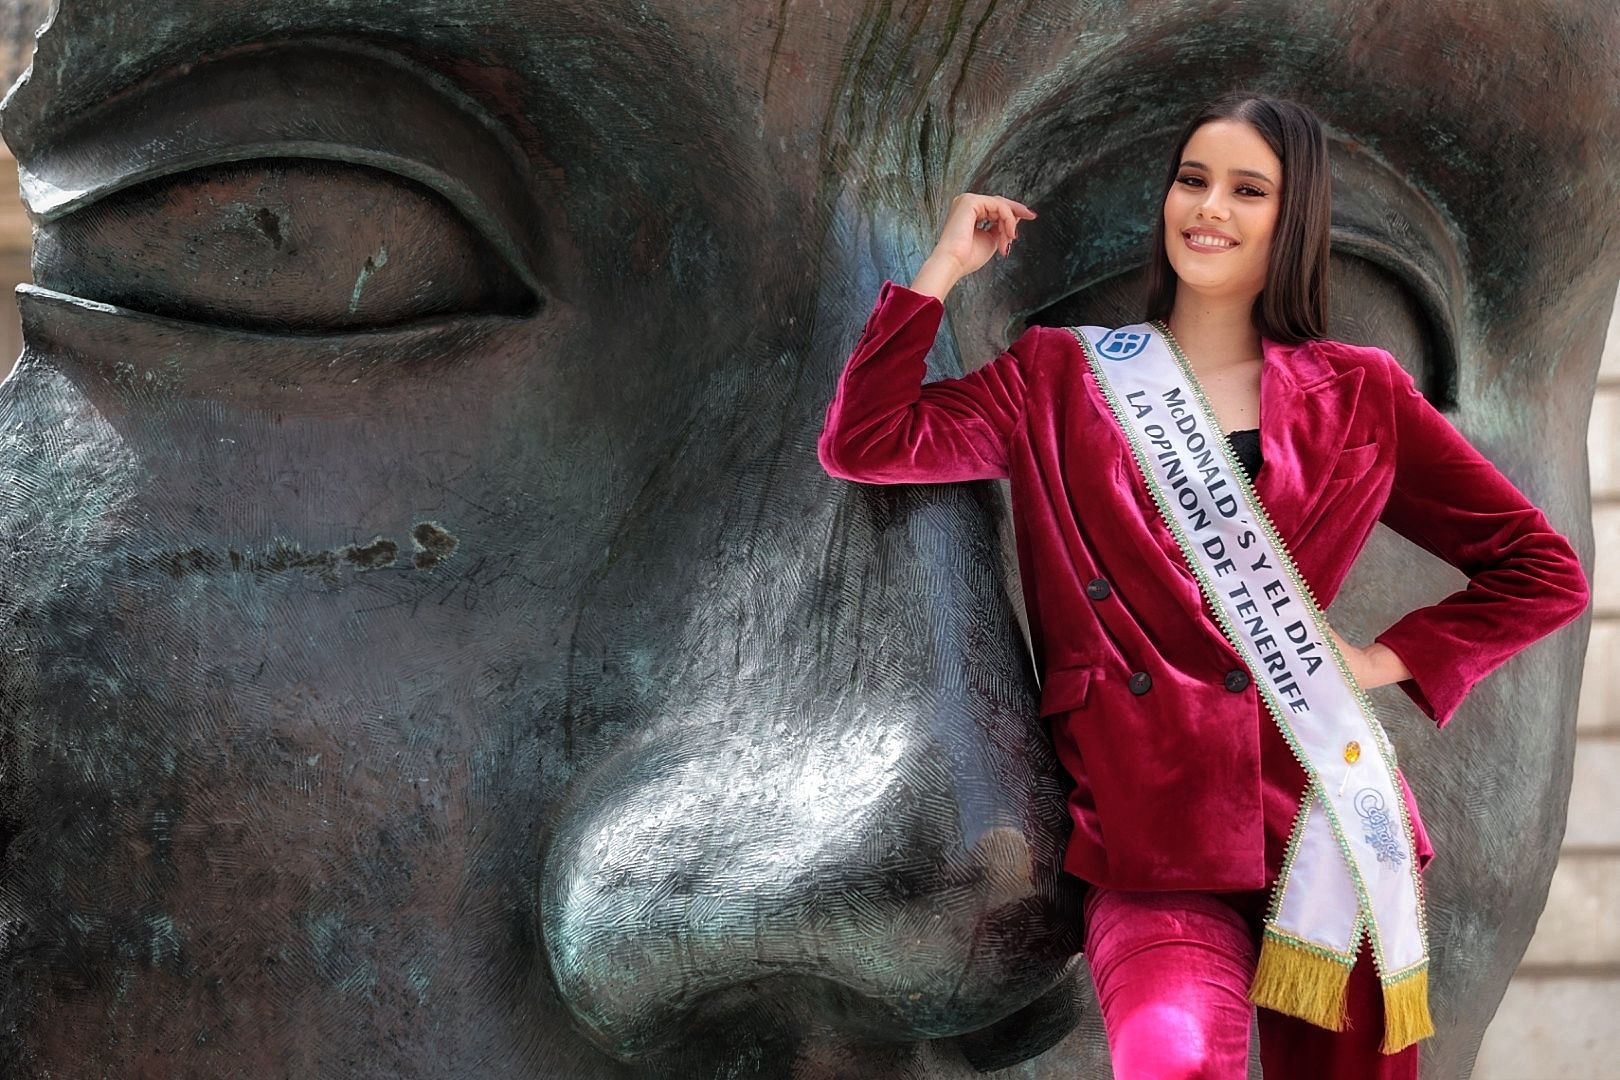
x=1181 y=779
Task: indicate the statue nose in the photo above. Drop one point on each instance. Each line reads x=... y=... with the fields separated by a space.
x=861 y=851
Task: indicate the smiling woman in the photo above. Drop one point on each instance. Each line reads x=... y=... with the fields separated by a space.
x=1226 y=197
x=1150 y=562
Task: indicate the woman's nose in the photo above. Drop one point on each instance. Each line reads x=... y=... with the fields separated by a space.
x=1213 y=205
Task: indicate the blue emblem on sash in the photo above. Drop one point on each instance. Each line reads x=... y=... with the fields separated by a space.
x=1122 y=344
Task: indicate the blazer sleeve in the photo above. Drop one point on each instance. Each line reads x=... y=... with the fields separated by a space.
x=885 y=426
x=1524 y=578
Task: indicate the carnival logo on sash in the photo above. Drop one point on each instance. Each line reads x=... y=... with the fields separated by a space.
x=1122 y=344
x=1380 y=827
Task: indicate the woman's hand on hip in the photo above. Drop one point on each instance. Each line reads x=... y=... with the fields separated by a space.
x=1374 y=665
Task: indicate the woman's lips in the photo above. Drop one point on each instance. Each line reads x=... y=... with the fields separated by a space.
x=1197 y=242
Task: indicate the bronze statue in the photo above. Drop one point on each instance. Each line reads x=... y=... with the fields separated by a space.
x=428 y=643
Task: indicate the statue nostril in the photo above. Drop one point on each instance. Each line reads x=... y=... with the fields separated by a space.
x=693 y=865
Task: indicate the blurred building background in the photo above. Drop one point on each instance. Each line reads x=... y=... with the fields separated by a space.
x=1560 y=1019
x=18 y=19
x=14 y=243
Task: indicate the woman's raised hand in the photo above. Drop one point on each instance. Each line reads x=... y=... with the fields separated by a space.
x=976 y=227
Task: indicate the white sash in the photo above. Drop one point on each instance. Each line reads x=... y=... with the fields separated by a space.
x=1351 y=866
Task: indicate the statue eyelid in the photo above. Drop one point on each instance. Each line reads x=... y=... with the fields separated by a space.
x=365 y=107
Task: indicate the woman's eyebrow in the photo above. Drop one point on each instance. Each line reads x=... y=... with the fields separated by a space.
x=1233 y=172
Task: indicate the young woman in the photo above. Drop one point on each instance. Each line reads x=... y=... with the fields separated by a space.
x=1237 y=812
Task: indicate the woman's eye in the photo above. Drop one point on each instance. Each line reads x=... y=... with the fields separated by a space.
x=1247 y=190
x=1190 y=180
x=282 y=245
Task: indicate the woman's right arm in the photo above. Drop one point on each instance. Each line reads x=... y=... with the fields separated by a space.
x=884 y=426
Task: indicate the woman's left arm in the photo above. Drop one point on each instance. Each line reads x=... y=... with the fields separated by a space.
x=1524 y=579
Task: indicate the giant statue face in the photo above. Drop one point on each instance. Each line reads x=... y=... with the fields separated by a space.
x=428 y=645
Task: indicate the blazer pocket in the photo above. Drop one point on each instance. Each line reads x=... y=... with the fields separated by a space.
x=1066 y=688
x=1353 y=462
x=1349 y=467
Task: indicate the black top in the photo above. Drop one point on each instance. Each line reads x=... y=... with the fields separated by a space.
x=1246 y=445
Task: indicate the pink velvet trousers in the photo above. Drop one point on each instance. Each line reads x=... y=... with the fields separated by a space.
x=1172 y=972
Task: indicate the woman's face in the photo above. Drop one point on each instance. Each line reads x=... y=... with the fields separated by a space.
x=1221 y=210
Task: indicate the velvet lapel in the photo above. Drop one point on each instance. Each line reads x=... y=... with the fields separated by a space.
x=1305 y=408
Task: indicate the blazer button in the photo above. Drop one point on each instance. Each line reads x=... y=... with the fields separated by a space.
x=1237 y=680
x=1098 y=589
x=1141 y=683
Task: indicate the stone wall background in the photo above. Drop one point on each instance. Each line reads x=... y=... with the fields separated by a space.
x=1560 y=1019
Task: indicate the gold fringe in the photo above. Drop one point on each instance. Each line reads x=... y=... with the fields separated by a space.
x=1300 y=983
x=1406 y=1013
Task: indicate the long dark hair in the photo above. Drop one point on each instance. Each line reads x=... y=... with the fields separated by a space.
x=1292 y=306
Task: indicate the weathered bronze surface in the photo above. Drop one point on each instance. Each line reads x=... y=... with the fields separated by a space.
x=428 y=645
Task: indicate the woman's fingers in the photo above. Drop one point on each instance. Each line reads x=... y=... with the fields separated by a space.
x=994 y=217
x=985 y=211
x=994 y=224
x=995 y=227
x=986 y=206
x=1012 y=212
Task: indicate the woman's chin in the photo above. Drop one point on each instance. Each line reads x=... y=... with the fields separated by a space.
x=1214 y=286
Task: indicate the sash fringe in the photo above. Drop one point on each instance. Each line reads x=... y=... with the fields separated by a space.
x=1297 y=982
x=1406 y=1013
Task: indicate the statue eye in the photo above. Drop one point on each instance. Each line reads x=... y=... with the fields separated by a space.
x=281 y=245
